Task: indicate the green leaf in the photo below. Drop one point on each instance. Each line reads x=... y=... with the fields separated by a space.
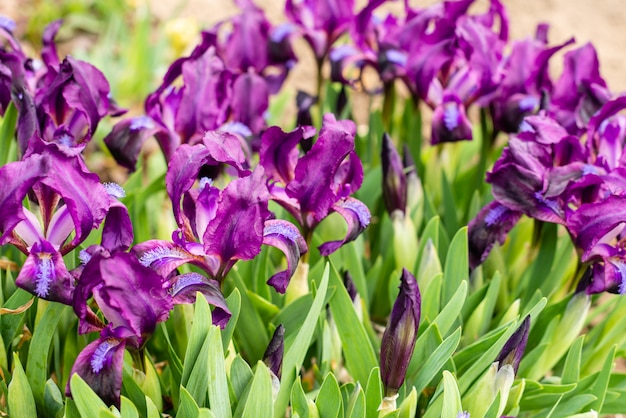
x=196 y=367
x=21 y=401
x=151 y=409
x=10 y=324
x=329 y=401
x=451 y=396
x=294 y=356
x=449 y=314
x=571 y=369
x=481 y=364
x=601 y=385
x=234 y=305
x=480 y=319
x=299 y=403
x=218 y=387
x=37 y=363
x=240 y=376
x=436 y=360
x=358 y=352
x=408 y=407
x=52 y=399
x=251 y=333
x=431 y=297
x=187 y=406
x=456 y=265
x=373 y=393
x=199 y=332
x=128 y=410
x=86 y=400
x=259 y=400
x=356 y=405
x=8 y=144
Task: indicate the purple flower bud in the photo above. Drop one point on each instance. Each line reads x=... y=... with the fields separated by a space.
x=273 y=356
x=399 y=337
x=513 y=349
x=394 y=179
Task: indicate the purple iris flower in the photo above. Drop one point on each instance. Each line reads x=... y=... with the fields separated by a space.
x=454 y=61
x=523 y=85
x=63 y=102
x=321 y=22
x=254 y=45
x=377 y=44
x=218 y=227
x=71 y=203
x=580 y=91
x=312 y=186
x=132 y=308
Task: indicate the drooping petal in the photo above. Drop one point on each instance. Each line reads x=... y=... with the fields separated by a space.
x=287 y=238
x=127 y=137
x=183 y=290
x=450 y=122
x=117 y=232
x=357 y=216
x=134 y=305
x=164 y=257
x=44 y=274
x=593 y=221
x=490 y=225
x=100 y=365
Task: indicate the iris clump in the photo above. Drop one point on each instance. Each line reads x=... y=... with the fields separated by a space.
x=234 y=247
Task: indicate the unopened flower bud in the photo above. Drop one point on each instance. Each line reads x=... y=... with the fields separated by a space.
x=399 y=337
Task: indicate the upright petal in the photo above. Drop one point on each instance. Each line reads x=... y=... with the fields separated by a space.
x=16 y=179
x=236 y=232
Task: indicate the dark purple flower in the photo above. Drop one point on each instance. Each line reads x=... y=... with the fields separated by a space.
x=273 y=356
x=321 y=22
x=400 y=335
x=218 y=227
x=450 y=122
x=318 y=183
x=525 y=81
x=491 y=225
x=72 y=203
x=580 y=91
x=394 y=179
x=513 y=349
x=132 y=307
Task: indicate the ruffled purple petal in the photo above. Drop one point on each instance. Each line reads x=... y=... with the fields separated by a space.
x=287 y=238
x=279 y=153
x=314 y=182
x=357 y=216
x=450 y=122
x=164 y=257
x=236 y=233
x=593 y=221
x=16 y=179
x=183 y=290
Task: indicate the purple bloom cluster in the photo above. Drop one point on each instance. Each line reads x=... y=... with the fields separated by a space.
x=577 y=181
x=226 y=84
x=207 y=127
